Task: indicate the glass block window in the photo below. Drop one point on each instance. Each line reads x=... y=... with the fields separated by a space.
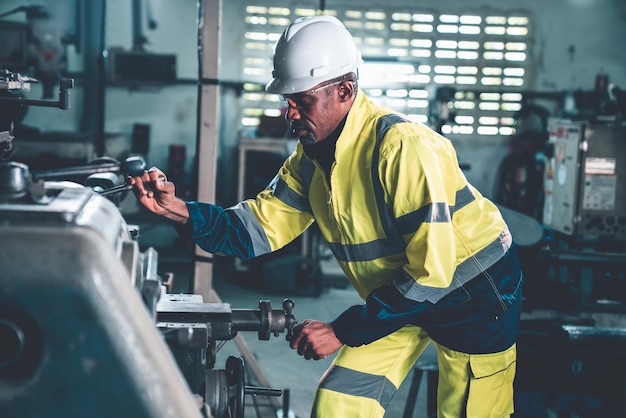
x=410 y=56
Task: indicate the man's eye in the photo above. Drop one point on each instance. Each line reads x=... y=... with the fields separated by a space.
x=306 y=100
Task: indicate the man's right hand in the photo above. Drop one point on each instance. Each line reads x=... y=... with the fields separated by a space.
x=314 y=339
x=158 y=195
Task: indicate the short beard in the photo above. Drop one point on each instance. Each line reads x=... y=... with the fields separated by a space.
x=307 y=140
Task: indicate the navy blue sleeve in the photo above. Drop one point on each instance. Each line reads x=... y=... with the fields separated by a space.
x=385 y=311
x=217 y=230
x=482 y=316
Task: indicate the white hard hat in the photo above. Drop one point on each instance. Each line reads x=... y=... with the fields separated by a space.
x=312 y=50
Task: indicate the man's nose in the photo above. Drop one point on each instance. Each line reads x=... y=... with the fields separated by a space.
x=292 y=114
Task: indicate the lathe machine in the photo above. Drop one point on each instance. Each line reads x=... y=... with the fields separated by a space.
x=87 y=326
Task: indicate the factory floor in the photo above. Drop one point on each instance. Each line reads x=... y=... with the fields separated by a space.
x=272 y=361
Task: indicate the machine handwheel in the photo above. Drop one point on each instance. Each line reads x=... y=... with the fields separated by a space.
x=235 y=377
x=216 y=393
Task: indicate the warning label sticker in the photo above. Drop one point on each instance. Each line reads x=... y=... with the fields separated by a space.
x=595 y=165
x=599 y=192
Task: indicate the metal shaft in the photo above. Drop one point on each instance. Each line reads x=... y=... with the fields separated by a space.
x=116 y=189
x=121 y=188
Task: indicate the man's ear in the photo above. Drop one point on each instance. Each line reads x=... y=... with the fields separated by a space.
x=346 y=91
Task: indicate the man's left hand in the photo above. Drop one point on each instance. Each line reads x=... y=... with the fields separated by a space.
x=314 y=339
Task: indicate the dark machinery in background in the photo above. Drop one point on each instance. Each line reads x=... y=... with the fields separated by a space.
x=582 y=267
x=518 y=181
x=583 y=259
x=572 y=341
x=37 y=48
x=562 y=192
x=87 y=325
x=584 y=181
x=33 y=46
x=441 y=112
x=440 y=109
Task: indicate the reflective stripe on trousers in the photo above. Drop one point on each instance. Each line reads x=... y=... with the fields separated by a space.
x=362 y=381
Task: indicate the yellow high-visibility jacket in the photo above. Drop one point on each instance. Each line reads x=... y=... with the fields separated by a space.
x=400 y=217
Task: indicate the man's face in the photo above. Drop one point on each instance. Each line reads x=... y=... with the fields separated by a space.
x=312 y=113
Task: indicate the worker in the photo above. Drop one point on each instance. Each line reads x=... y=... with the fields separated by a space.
x=431 y=257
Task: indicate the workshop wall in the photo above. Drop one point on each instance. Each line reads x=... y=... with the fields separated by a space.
x=573 y=41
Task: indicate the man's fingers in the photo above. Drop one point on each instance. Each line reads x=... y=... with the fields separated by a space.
x=297 y=334
x=308 y=352
x=156 y=175
x=304 y=340
x=296 y=341
x=303 y=344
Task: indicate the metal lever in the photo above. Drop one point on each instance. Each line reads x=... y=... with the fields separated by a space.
x=290 y=319
x=121 y=188
x=256 y=390
x=116 y=189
